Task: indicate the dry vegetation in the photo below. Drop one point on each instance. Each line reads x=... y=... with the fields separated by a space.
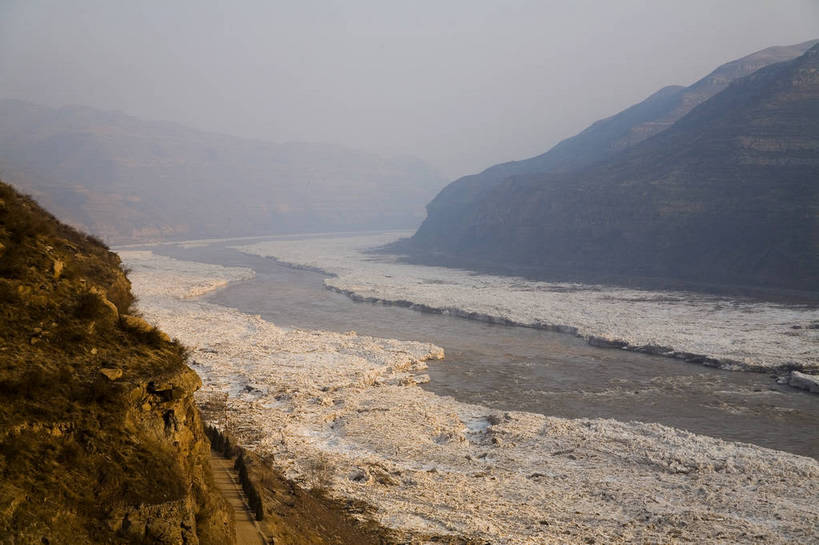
x=77 y=445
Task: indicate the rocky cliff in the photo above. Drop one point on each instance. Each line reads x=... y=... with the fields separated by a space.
x=100 y=441
x=727 y=195
x=447 y=213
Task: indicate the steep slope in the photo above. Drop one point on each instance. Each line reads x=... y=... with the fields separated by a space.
x=124 y=179
x=100 y=441
x=728 y=195
x=599 y=141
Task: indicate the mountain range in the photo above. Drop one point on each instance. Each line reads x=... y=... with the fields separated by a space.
x=127 y=179
x=715 y=183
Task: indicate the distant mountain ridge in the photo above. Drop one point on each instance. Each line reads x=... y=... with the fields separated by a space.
x=599 y=141
x=127 y=179
x=729 y=194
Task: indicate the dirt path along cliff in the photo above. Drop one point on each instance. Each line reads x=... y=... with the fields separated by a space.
x=247 y=532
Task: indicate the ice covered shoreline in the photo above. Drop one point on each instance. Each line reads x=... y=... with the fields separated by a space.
x=720 y=332
x=344 y=411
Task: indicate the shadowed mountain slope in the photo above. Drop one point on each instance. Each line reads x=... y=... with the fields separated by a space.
x=601 y=140
x=126 y=179
x=728 y=195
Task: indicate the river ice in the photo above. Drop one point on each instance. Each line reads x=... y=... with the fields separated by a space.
x=731 y=333
x=344 y=411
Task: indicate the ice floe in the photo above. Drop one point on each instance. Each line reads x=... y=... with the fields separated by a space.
x=342 y=411
x=717 y=331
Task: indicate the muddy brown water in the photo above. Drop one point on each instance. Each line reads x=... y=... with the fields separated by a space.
x=517 y=368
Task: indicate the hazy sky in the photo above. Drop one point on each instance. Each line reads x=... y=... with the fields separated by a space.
x=461 y=83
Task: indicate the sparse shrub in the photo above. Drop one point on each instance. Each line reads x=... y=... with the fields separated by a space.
x=221 y=443
x=494 y=419
x=68 y=334
x=120 y=294
x=184 y=351
x=70 y=452
x=216 y=438
x=146 y=333
x=254 y=498
x=103 y=392
x=153 y=337
x=93 y=239
x=35 y=379
x=89 y=306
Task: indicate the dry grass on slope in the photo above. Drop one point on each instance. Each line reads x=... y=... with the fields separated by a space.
x=87 y=436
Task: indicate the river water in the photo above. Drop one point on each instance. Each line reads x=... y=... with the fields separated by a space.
x=517 y=368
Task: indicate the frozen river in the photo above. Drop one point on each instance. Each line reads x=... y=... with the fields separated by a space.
x=360 y=417
x=517 y=368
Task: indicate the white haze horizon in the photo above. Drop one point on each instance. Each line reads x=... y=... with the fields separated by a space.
x=460 y=84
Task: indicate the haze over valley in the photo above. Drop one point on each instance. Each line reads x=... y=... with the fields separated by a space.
x=127 y=179
x=368 y=273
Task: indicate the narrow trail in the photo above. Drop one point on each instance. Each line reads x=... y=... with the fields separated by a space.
x=247 y=530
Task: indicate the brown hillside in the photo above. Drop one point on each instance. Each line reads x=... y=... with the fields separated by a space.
x=100 y=441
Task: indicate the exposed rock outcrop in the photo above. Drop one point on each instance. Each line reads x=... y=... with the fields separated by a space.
x=100 y=440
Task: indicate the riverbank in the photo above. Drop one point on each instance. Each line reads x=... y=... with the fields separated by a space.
x=346 y=410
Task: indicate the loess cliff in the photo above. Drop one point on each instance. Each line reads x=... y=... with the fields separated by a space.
x=100 y=440
x=448 y=212
x=726 y=196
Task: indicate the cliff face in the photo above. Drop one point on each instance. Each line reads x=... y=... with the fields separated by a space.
x=100 y=441
x=727 y=195
x=448 y=212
